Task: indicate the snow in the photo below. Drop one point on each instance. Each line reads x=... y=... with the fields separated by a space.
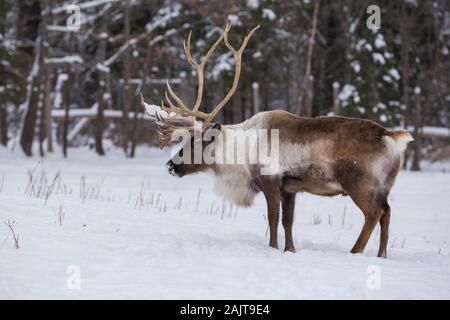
x=394 y=73
x=257 y=55
x=58 y=28
x=119 y=52
x=431 y=130
x=380 y=105
x=356 y=66
x=101 y=67
x=387 y=78
x=84 y=5
x=133 y=231
x=79 y=125
x=368 y=47
x=92 y=112
x=417 y=90
x=379 y=41
x=234 y=20
x=378 y=57
x=224 y=63
x=347 y=91
x=152 y=109
x=57 y=101
x=253 y=3
x=360 y=44
x=163 y=17
x=268 y=14
x=67 y=59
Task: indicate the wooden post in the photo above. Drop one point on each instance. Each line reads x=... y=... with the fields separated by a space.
x=256 y=106
x=336 y=104
x=304 y=104
x=415 y=166
x=66 y=104
x=126 y=80
x=3 y=121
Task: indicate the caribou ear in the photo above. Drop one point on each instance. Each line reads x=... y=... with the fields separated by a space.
x=217 y=126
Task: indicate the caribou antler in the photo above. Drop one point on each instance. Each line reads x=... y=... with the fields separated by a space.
x=238 y=58
x=183 y=115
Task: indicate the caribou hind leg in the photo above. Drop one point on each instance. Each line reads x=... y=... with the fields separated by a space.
x=384 y=232
x=371 y=197
x=371 y=217
x=374 y=212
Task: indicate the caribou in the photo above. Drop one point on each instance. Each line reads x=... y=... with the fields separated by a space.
x=326 y=156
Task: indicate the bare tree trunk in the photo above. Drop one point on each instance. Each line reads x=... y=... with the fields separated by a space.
x=135 y=108
x=68 y=88
x=102 y=78
x=237 y=106
x=41 y=121
x=99 y=124
x=48 y=110
x=30 y=117
x=133 y=132
x=3 y=120
x=126 y=80
x=3 y=116
x=47 y=89
x=404 y=60
x=304 y=104
x=44 y=74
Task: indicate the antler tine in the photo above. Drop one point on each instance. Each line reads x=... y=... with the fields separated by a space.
x=172 y=93
x=183 y=108
x=165 y=125
x=244 y=42
x=199 y=66
x=164 y=108
x=212 y=49
x=187 y=50
x=238 y=58
x=143 y=104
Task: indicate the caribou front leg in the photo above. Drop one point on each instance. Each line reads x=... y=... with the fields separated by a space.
x=288 y=205
x=272 y=192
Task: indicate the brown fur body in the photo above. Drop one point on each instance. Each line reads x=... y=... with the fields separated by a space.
x=326 y=156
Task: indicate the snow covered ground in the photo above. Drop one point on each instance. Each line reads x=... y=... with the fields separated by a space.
x=121 y=228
